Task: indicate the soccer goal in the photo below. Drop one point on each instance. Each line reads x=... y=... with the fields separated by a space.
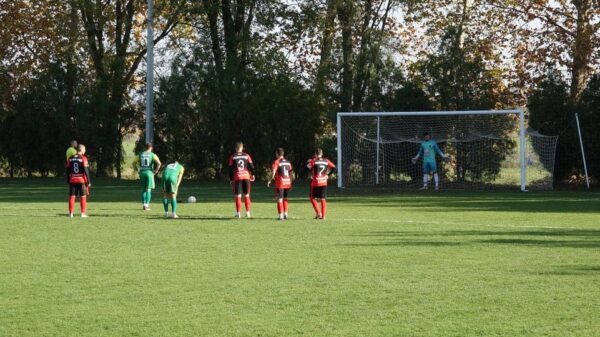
x=485 y=149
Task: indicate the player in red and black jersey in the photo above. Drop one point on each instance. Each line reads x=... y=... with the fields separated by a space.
x=320 y=168
x=241 y=173
x=78 y=177
x=282 y=174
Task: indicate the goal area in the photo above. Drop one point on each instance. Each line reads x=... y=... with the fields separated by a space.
x=486 y=149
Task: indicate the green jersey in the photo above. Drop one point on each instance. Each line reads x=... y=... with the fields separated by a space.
x=428 y=150
x=172 y=171
x=147 y=162
x=71 y=151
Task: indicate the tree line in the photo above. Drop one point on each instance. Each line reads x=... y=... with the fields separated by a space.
x=274 y=73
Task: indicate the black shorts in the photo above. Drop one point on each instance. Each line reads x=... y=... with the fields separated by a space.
x=318 y=192
x=282 y=193
x=241 y=187
x=77 y=189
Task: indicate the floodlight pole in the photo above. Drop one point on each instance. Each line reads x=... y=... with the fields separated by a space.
x=150 y=74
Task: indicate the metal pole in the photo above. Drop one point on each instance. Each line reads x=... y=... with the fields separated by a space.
x=587 y=178
x=522 y=151
x=378 y=140
x=150 y=75
x=340 y=170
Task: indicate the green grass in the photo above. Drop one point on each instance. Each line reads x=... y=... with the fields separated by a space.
x=411 y=264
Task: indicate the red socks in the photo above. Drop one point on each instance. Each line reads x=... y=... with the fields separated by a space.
x=83 y=203
x=279 y=207
x=238 y=204
x=247 y=203
x=323 y=207
x=313 y=201
x=71 y=204
x=285 y=205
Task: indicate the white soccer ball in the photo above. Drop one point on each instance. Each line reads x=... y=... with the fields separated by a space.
x=191 y=199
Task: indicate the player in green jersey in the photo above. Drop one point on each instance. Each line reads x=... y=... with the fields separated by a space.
x=72 y=150
x=428 y=150
x=171 y=178
x=149 y=165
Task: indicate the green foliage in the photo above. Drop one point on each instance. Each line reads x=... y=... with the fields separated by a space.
x=551 y=113
x=193 y=124
x=459 y=80
x=35 y=134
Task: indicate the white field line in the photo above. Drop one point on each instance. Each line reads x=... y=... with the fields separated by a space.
x=220 y=217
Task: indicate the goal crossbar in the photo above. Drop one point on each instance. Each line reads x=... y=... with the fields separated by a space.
x=519 y=112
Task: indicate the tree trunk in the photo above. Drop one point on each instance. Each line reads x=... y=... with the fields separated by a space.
x=361 y=70
x=326 y=45
x=345 y=13
x=457 y=53
x=582 y=49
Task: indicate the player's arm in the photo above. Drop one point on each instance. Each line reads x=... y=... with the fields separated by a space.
x=332 y=168
x=231 y=168
x=180 y=176
x=86 y=172
x=250 y=166
x=274 y=170
x=439 y=151
x=414 y=159
x=157 y=164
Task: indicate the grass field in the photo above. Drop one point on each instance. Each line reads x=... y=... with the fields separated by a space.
x=411 y=264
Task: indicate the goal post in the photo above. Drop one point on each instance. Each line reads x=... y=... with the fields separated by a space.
x=374 y=147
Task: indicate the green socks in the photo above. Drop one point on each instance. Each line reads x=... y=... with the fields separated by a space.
x=144 y=197
x=166 y=204
x=148 y=197
x=174 y=205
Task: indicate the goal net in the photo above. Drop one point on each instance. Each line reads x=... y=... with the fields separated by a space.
x=485 y=149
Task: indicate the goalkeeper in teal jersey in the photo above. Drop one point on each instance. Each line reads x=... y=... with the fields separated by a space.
x=171 y=178
x=428 y=150
x=149 y=165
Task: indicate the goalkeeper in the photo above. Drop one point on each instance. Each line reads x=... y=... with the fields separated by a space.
x=428 y=150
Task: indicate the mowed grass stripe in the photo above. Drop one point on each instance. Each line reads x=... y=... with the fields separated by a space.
x=381 y=265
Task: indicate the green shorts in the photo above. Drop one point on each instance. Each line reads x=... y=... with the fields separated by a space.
x=170 y=185
x=147 y=178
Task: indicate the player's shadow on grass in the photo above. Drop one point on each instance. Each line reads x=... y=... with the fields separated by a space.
x=574 y=271
x=540 y=232
x=405 y=243
x=559 y=238
x=505 y=202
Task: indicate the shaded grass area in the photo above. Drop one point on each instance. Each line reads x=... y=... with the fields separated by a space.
x=409 y=264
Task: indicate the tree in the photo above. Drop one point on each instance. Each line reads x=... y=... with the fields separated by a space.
x=551 y=112
x=116 y=49
x=562 y=33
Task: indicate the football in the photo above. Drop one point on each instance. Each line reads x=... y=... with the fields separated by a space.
x=191 y=199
